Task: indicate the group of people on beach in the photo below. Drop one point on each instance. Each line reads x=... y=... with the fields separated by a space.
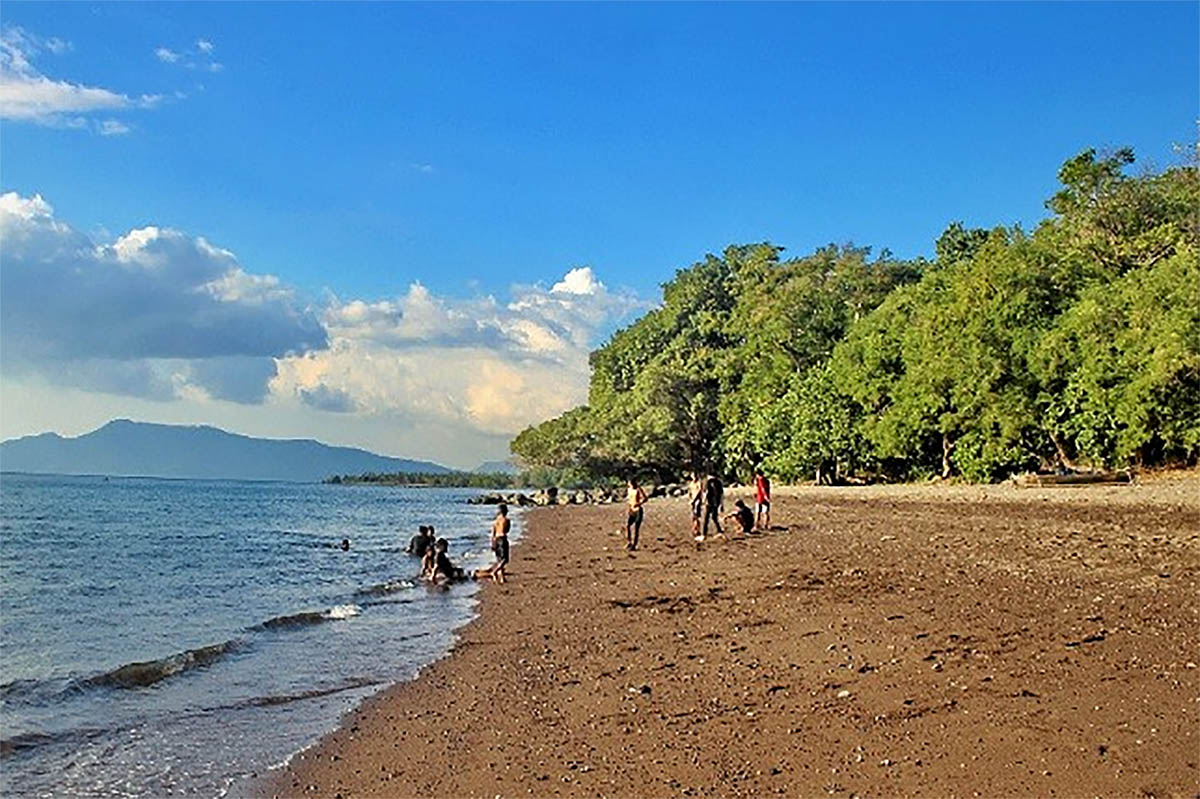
x=706 y=494
x=436 y=566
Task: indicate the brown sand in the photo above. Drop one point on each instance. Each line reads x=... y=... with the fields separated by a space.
x=925 y=641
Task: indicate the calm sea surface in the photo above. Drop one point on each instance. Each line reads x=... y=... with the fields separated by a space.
x=176 y=637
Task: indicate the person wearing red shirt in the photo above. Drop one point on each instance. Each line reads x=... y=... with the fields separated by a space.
x=762 y=499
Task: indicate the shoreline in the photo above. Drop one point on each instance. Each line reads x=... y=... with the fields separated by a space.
x=936 y=640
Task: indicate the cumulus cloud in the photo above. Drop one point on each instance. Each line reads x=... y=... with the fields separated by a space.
x=155 y=313
x=204 y=45
x=27 y=95
x=167 y=55
x=489 y=365
x=324 y=398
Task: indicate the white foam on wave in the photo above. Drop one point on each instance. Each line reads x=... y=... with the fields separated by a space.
x=343 y=611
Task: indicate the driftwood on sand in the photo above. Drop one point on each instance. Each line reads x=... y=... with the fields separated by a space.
x=1075 y=479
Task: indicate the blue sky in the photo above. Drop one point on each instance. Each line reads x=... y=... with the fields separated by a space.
x=481 y=151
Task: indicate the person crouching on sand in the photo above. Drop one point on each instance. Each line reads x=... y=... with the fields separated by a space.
x=633 y=521
x=743 y=516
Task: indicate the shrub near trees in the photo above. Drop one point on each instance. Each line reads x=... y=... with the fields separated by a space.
x=1078 y=344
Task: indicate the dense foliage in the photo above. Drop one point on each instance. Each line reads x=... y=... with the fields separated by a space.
x=1076 y=344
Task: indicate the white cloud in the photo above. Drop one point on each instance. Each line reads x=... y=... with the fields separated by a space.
x=153 y=313
x=112 y=127
x=580 y=280
x=159 y=315
x=490 y=366
x=36 y=98
x=26 y=95
x=197 y=58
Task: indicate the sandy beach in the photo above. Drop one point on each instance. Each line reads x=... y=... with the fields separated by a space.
x=884 y=641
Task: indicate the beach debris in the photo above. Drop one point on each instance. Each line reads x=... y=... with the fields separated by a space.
x=1073 y=479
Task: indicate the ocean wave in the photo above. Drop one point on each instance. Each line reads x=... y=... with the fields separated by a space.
x=19 y=688
x=314 y=693
x=335 y=613
x=390 y=587
x=31 y=740
x=148 y=672
x=145 y=673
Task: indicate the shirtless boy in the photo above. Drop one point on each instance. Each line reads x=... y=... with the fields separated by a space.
x=500 y=528
x=636 y=498
x=696 y=497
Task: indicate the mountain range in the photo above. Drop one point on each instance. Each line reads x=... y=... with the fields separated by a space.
x=124 y=447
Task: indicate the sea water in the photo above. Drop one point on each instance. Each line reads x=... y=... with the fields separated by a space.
x=179 y=637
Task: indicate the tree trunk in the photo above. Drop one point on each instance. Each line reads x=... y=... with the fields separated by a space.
x=947 y=446
x=1060 y=451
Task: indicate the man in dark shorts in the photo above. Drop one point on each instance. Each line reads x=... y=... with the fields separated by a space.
x=633 y=521
x=714 y=498
x=696 y=498
x=499 y=537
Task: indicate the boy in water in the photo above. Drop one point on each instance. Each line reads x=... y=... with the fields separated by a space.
x=636 y=498
x=443 y=569
x=762 y=499
x=422 y=541
x=429 y=562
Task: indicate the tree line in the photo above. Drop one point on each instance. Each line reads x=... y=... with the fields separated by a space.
x=431 y=479
x=1075 y=345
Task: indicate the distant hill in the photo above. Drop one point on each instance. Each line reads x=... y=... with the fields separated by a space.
x=122 y=447
x=496 y=467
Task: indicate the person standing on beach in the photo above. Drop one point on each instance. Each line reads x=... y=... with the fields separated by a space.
x=696 y=498
x=500 y=528
x=636 y=498
x=714 y=499
x=762 y=499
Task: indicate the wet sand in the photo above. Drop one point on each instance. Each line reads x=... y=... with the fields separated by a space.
x=892 y=641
